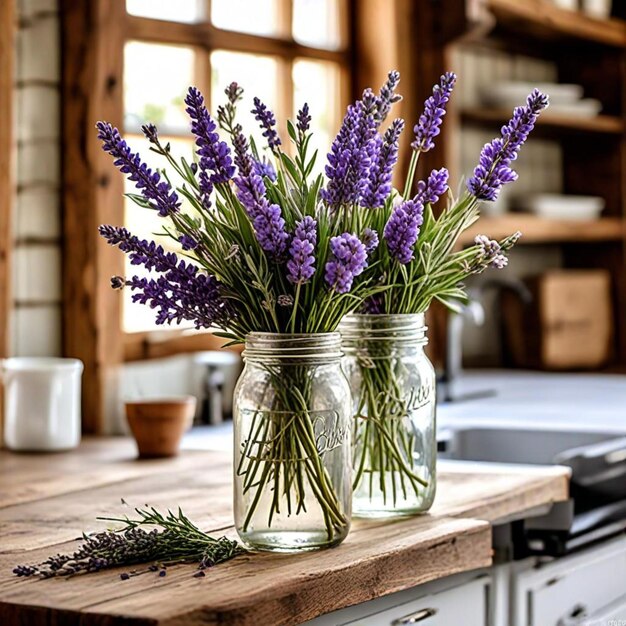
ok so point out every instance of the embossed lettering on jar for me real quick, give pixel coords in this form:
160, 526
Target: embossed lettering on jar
293, 430
393, 390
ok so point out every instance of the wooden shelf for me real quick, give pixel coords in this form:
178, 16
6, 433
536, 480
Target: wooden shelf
539, 230
539, 18
604, 124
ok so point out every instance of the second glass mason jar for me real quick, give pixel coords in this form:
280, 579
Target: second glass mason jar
393, 390
293, 466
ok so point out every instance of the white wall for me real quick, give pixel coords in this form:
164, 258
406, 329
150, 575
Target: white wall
36, 315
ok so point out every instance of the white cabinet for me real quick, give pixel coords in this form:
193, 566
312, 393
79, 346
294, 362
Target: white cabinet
572, 590
459, 600
587, 588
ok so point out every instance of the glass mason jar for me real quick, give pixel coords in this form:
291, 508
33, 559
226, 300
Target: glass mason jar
393, 390
293, 433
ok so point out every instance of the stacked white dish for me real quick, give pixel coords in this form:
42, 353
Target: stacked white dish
559, 206
565, 99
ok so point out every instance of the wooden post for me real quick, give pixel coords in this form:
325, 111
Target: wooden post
92, 83
7, 165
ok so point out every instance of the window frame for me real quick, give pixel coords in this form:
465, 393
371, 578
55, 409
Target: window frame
94, 36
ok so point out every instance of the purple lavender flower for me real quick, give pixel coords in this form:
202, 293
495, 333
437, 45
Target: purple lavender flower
179, 293
351, 154
265, 169
267, 121
493, 169
269, 227
300, 265
402, 230
233, 92
243, 159
266, 218
216, 165
491, 252
157, 192
370, 240
150, 133
348, 260
188, 242
380, 173
387, 97
435, 186
303, 119
427, 127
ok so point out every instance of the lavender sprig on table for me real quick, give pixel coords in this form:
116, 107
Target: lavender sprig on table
174, 540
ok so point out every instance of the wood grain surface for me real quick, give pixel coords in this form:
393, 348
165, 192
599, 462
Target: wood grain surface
46, 501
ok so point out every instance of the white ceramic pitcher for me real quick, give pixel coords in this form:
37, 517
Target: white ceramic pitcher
41, 403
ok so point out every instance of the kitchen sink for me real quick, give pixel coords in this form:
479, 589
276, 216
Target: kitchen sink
515, 445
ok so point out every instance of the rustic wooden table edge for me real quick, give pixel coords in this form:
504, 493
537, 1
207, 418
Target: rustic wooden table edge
377, 558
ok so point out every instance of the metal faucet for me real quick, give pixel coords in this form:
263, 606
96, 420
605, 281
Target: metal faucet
453, 367
474, 311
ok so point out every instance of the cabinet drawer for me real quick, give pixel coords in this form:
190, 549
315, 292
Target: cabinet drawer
466, 604
581, 584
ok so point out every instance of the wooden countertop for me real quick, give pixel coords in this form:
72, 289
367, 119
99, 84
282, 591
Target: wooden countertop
47, 500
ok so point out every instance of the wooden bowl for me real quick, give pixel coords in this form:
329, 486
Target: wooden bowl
158, 424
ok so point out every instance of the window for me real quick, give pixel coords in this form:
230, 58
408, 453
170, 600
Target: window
286, 52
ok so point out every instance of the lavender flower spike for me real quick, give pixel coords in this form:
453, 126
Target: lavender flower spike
427, 127
180, 292
265, 169
267, 121
351, 154
387, 96
302, 258
435, 186
303, 119
157, 192
269, 227
402, 230
348, 260
370, 240
380, 174
216, 165
493, 169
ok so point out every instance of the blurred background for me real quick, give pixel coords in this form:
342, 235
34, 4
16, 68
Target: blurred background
559, 306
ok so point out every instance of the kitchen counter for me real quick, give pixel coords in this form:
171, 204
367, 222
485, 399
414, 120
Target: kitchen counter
46, 501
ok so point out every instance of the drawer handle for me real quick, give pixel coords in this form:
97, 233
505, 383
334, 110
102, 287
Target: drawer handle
414, 618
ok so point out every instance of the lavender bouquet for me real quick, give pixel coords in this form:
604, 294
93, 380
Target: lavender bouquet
260, 246
261, 252
418, 261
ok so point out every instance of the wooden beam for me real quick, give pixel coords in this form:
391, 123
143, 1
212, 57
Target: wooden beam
92, 84
7, 163
206, 35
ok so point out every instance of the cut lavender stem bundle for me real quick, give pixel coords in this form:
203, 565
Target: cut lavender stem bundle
174, 540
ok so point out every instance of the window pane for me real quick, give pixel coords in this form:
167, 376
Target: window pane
173, 10
145, 223
316, 23
259, 17
318, 83
156, 78
257, 74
